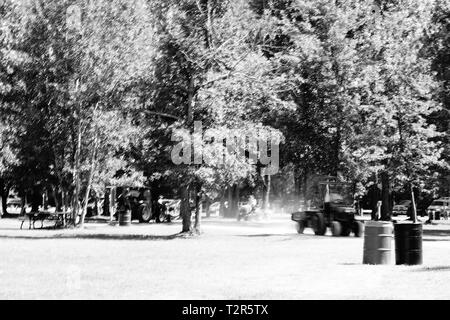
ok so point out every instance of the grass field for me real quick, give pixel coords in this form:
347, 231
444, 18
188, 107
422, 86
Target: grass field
231, 260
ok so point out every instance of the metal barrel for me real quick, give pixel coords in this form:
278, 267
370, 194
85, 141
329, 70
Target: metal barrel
377, 242
408, 243
125, 217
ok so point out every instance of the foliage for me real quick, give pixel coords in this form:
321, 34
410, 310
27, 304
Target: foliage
352, 88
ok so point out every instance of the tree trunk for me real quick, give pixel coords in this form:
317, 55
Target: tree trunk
23, 202
209, 25
305, 188
2, 207
112, 204
222, 209
89, 184
36, 199
4, 204
55, 195
235, 201
85, 203
64, 205
267, 193
339, 117
185, 209
198, 218
4, 192
233, 198
297, 184
190, 101
76, 176
385, 197
65, 199
228, 211
45, 199
207, 206
5, 198
336, 151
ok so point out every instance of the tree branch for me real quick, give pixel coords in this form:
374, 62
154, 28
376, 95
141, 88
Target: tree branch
163, 114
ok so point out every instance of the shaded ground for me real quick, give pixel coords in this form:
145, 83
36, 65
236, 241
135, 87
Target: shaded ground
231, 260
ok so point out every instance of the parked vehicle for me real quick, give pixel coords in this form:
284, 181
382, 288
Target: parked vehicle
169, 210
13, 205
95, 205
336, 211
138, 200
439, 208
249, 210
401, 208
214, 208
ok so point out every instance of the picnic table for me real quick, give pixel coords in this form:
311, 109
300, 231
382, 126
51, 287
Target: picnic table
59, 218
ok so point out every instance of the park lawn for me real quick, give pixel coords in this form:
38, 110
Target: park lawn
231, 260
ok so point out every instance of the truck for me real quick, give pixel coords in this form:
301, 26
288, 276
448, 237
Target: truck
141, 204
332, 207
439, 208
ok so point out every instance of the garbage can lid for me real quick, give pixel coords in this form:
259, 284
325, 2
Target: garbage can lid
372, 223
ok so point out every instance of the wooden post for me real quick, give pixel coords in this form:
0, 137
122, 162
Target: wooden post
414, 212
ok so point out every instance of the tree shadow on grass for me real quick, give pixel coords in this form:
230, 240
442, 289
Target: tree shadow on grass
435, 268
98, 237
265, 235
225, 222
287, 236
436, 233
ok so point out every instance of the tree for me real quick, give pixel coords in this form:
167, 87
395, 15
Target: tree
71, 77
7, 160
437, 46
208, 69
9, 98
356, 74
397, 100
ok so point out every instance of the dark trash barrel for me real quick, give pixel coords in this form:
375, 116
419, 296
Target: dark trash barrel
377, 242
125, 218
408, 243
